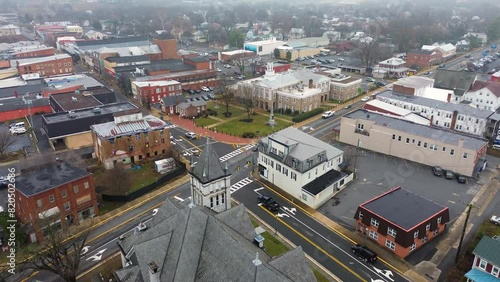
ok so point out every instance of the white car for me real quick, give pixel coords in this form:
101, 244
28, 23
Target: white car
495, 219
365, 99
227, 66
17, 130
370, 79
190, 135
204, 88
341, 59
328, 114
219, 70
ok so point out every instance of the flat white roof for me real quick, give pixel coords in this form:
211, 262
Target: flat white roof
12, 82
415, 81
155, 83
436, 94
388, 107
265, 42
235, 52
30, 61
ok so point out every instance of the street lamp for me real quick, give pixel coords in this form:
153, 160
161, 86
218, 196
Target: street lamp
28, 102
194, 126
356, 156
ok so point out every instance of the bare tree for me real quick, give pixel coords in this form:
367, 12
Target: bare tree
6, 141
56, 254
117, 180
369, 53
241, 63
246, 95
225, 93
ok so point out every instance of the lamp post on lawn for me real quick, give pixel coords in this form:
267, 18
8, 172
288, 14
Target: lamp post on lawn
194, 126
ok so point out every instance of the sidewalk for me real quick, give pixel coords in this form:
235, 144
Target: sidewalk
224, 138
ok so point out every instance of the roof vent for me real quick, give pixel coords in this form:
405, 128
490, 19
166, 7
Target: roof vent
71, 114
86, 93
74, 99
96, 110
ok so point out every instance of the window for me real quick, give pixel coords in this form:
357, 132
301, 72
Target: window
66, 206
360, 215
424, 239
39, 203
439, 220
394, 137
293, 175
444, 149
373, 235
482, 264
86, 185
361, 126
494, 271
415, 234
436, 232
64, 194
452, 152
419, 143
278, 167
223, 198
390, 245
51, 198
285, 171
374, 222
211, 202
217, 200
425, 144
413, 141
413, 247
75, 189
428, 227
407, 140
391, 232
465, 155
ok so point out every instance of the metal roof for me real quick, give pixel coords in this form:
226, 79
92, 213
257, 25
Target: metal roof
112, 129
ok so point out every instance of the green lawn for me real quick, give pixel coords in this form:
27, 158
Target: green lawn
222, 108
273, 246
237, 127
144, 176
205, 121
319, 276
285, 117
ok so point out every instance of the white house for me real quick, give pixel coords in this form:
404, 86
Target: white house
459, 117
483, 38
301, 165
484, 95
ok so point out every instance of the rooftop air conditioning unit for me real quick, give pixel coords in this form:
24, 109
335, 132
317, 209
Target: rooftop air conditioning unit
96, 110
71, 114
74, 99
86, 93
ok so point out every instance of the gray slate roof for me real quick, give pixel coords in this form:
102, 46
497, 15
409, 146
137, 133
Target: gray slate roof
185, 105
46, 177
173, 100
191, 244
458, 81
489, 249
209, 167
18, 103
436, 104
285, 79
404, 208
438, 134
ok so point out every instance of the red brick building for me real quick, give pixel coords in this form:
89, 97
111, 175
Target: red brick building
278, 67
17, 108
42, 51
154, 91
55, 193
168, 47
401, 221
422, 58
46, 66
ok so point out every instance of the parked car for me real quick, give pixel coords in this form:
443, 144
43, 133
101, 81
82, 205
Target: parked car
341, 59
370, 79
205, 98
427, 73
379, 83
348, 106
365, 99
437, 171
241, 77
204, 88
17, 130
328, 114
495, 219
211, 96
190, 135
461, 179
268, 202
219, 70
448, 174
227, 66
192, 92
331, 61
364, 253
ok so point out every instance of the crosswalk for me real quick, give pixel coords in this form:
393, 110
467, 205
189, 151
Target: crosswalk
236, 152
240, 184
171, 126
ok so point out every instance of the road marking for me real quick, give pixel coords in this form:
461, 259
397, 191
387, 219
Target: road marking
97, 256
236, 152
455, 194
282, 215
97, 265
84, 250
290, 210
451, 202
258, 189
387, 273
178, 198
240, 184
316, 246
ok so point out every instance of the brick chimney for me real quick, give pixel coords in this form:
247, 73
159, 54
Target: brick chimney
454, 120
154, 274
432, 120
448, 99
311, 83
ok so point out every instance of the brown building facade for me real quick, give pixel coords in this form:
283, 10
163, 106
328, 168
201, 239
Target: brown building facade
54, 194
130, 138
168, 48
416, 222
422, 58
46, 66
39, 52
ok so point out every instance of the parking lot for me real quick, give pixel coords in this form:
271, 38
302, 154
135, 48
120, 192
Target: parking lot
378, 173
20, 141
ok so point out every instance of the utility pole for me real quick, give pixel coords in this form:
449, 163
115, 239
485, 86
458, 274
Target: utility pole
469, 208
356, 157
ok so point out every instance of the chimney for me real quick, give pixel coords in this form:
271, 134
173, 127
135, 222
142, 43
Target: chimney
16, 94
154, 275
432, 120
454, 120
448, 99
311, 84
58, 162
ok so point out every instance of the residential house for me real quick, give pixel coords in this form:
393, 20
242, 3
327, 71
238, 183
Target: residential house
432, 146
457, 81
463, 45
297, 91
10, 29
169, 104
416, 59
416, 222
191, 109
153, 91
296, 33
304, 167
486, 264
393, 67
55, 193
130, 138
482, 37
484, 95
459, 117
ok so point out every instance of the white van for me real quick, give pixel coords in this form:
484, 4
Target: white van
496, 146
17, 124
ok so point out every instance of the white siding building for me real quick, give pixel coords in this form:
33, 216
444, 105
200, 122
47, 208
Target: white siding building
459, 117
484, 95
264, 47
301, 165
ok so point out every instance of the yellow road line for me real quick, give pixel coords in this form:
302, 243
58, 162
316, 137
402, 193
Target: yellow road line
314, 245
97, 265
190, 143
337, 118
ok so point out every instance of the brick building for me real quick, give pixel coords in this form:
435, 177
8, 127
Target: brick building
154, 91
417, 220
278, 67
55, 193
422, 58
130, 138
41, 51
45, 66
17, 108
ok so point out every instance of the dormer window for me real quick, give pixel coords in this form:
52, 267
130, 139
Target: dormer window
294, 163
320, 158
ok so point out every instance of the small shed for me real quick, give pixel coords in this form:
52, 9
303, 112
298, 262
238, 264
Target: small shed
165, 165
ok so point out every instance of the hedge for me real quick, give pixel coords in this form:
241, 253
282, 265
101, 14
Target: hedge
306, 115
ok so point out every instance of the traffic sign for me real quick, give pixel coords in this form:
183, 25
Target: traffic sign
493, 46
485, 53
